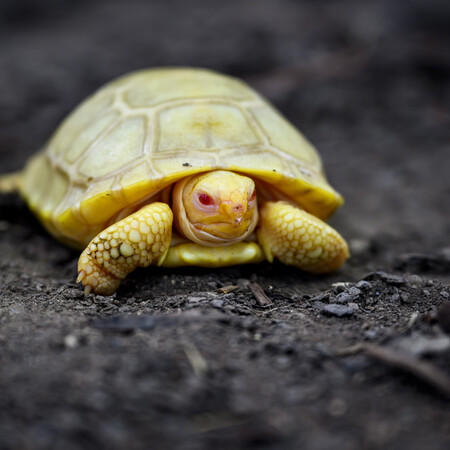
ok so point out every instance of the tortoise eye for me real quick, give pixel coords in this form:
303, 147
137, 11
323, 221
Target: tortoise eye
253, 196
205, 199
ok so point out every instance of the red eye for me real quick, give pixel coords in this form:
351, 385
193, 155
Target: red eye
205, 199
253, 196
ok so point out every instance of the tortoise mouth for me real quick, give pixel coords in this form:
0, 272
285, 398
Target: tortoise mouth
219, 233
200, 225
228, 231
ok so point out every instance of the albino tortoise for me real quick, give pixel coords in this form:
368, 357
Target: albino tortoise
181, 166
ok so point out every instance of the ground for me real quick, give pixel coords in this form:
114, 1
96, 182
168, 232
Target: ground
193, 358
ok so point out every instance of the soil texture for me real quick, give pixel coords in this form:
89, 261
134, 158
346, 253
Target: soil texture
246, 357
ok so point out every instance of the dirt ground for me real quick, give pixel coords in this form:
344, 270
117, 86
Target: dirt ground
189, 359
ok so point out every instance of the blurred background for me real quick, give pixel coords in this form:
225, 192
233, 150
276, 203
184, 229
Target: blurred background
366, 82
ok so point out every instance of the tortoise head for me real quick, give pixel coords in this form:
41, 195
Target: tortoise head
215, 208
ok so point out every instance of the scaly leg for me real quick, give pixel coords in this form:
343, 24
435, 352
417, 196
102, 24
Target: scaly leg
299, 239
139, 240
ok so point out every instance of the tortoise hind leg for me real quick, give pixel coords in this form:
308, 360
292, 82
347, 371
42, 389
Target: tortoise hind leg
139, 240
10, 182
300, 239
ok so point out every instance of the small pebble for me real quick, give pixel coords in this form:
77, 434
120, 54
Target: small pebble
405, 298
217, 303
71, 341
257, 336
335, 309
131, 300
351, 294
243, 282
195, 299
364, 285
359, 246
342, 284
371, 334
415, 280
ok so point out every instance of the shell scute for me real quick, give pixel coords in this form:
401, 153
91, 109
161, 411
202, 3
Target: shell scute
170, 85
98, 207
204, 126
57, 188
77, 122
283, 136
88, 137
121, 146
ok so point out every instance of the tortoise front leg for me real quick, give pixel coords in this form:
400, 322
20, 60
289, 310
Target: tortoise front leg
139, 240
300, 239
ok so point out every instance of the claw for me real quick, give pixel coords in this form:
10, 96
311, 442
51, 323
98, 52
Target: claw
81, 276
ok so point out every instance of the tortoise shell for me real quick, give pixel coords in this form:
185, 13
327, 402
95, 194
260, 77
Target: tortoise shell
142, 132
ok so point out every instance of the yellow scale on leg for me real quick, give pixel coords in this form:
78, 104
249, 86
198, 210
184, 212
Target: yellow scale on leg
299, 239
140, 240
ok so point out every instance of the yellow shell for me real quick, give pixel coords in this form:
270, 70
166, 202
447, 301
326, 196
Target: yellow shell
143, 131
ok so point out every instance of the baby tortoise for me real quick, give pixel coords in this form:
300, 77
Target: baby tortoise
181, 166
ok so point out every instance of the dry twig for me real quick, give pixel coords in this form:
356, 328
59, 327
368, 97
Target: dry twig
421, 369
260, 295
227, 289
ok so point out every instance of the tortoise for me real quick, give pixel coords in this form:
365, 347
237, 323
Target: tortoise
181, 166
